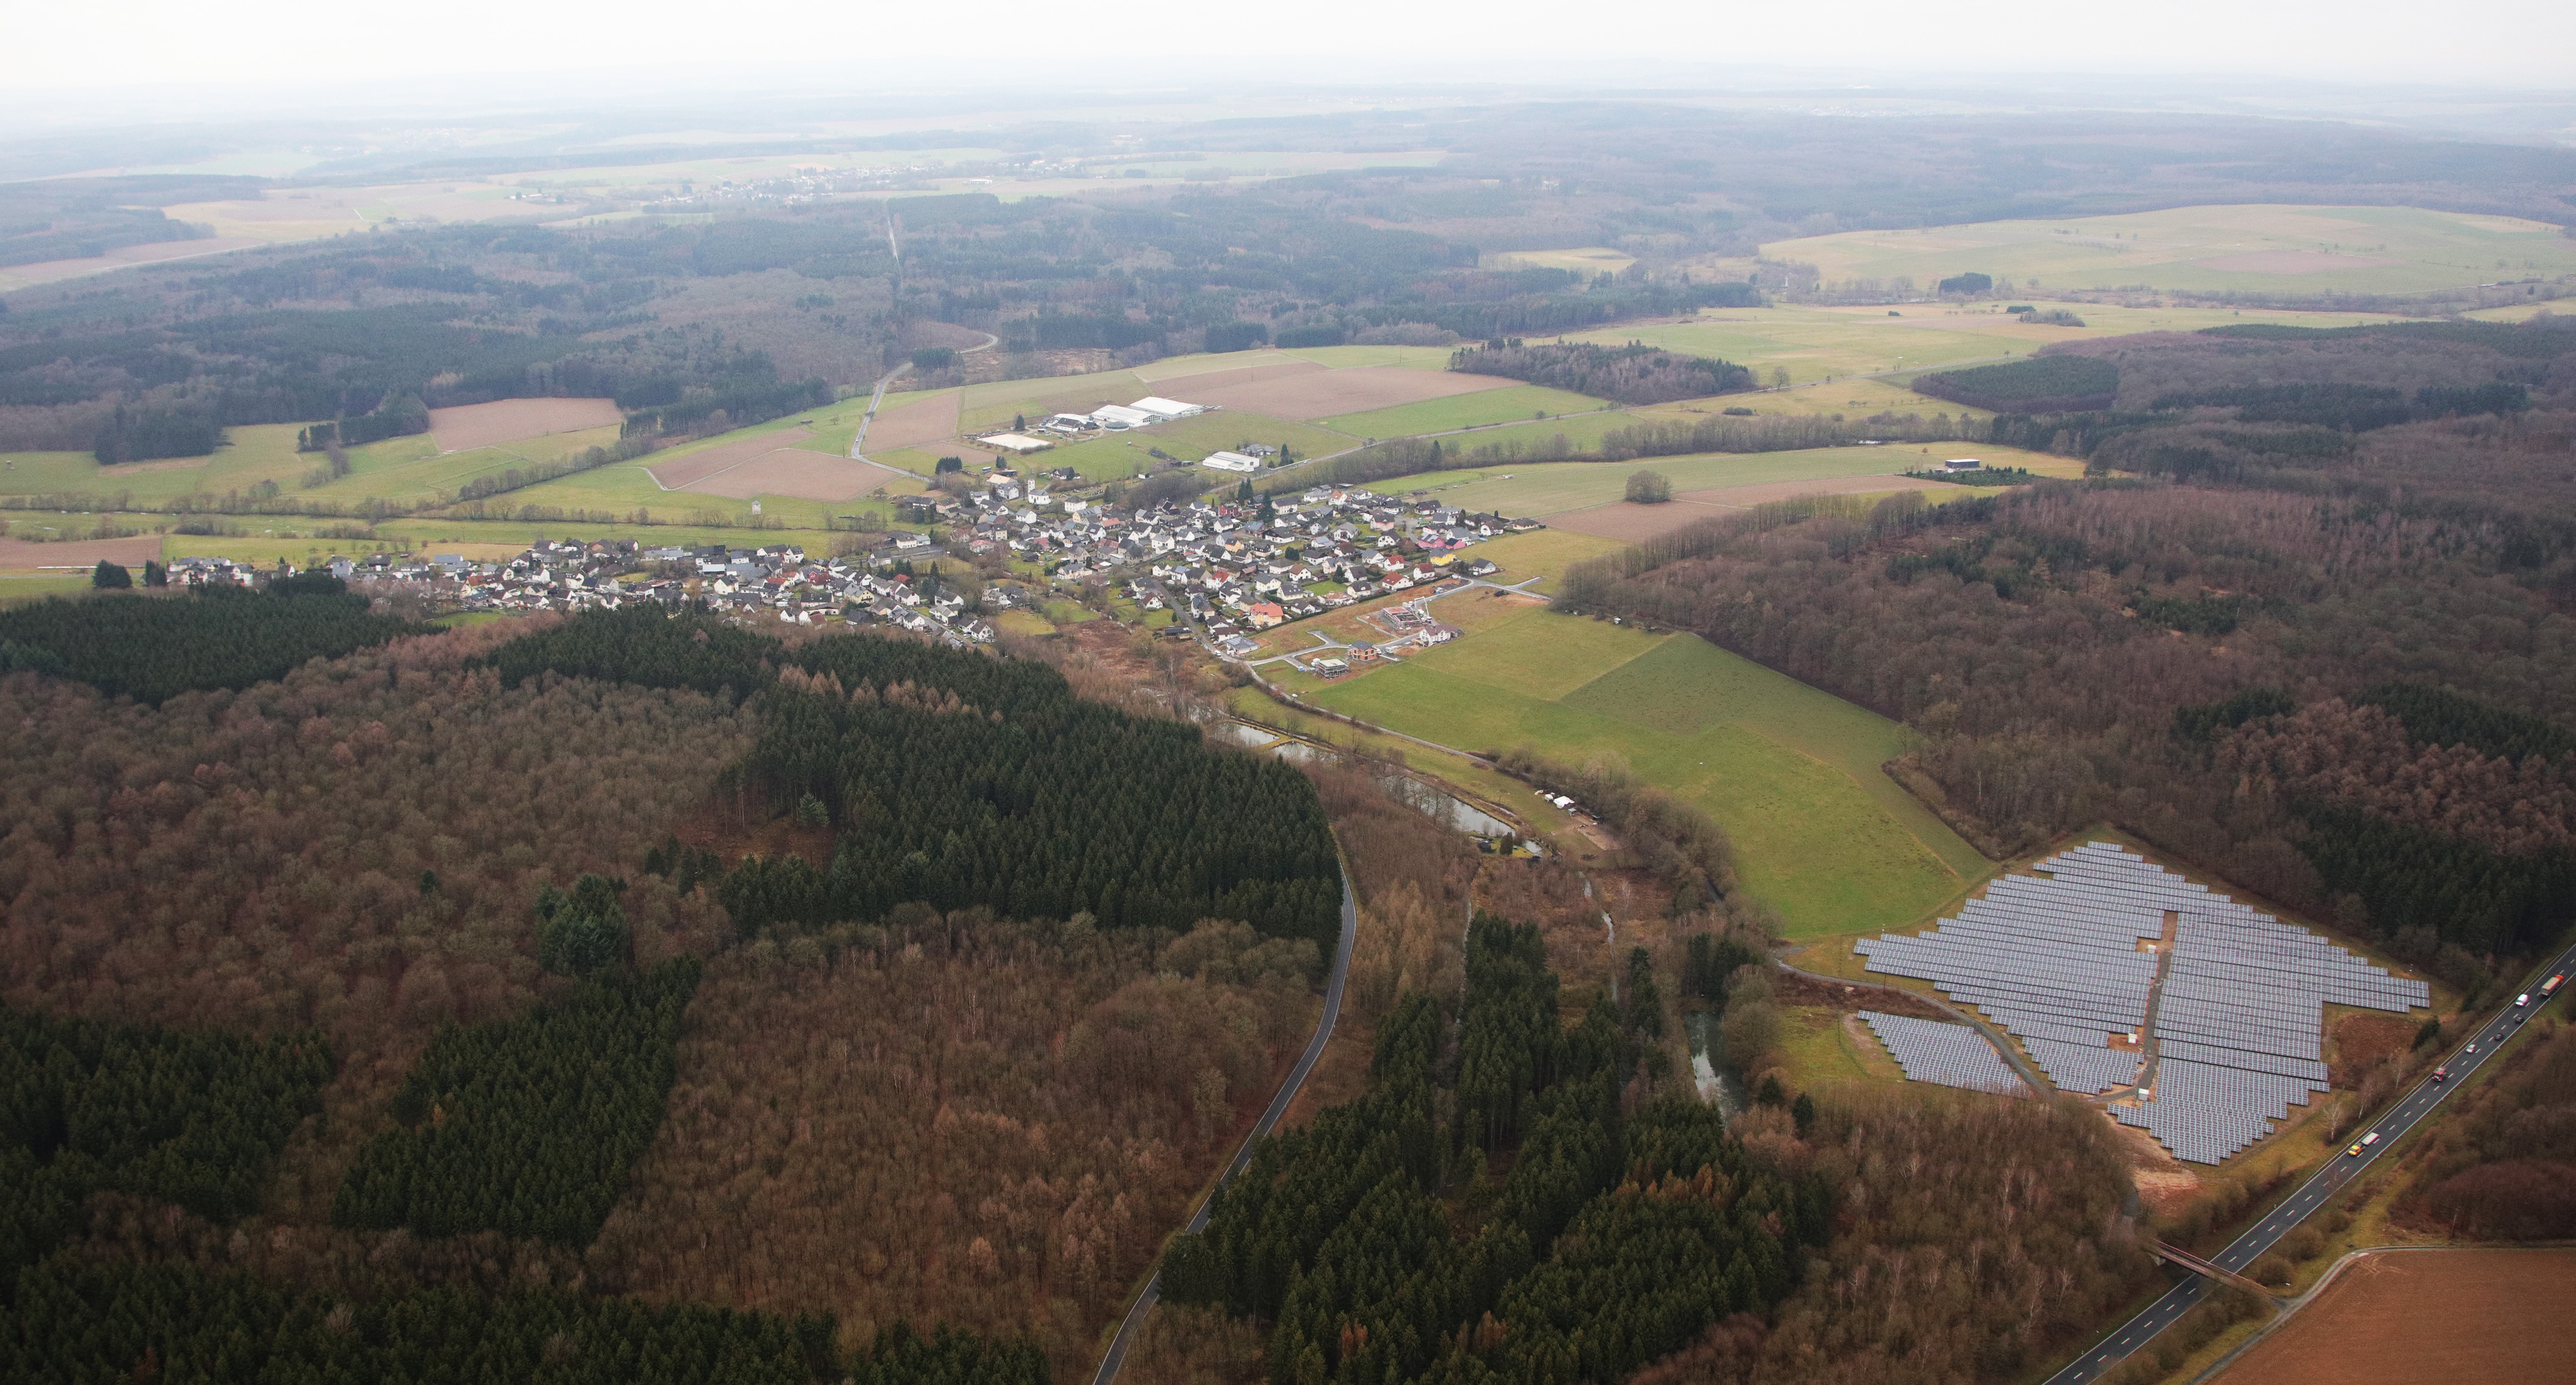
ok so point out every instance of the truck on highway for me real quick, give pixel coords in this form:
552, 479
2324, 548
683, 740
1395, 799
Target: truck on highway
2549, 987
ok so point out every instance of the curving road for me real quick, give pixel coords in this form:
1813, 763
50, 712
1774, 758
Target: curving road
1145, 1301
2392, 1125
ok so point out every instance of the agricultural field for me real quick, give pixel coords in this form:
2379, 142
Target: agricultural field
1475, 410
1408, 357
1582, 259
1128, 453
1790, 772
1832, 343
255, 453
1542, 489
2470, 1317
2264, 249
1541, 553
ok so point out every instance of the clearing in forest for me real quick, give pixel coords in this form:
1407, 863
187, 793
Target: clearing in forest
2463, 1317
1789, 771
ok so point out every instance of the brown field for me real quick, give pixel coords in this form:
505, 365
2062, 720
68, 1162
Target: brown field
48, 271
680, 473
796, 472
515, 420
921, 423
2363, 1040
1319, 393
2291, 262
1632, 523
2462, 1317
18, 555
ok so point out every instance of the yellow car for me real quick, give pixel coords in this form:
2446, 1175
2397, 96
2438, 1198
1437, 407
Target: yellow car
2361, 1144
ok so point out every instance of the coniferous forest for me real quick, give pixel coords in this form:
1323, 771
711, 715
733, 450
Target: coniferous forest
151, 647
1380, 1247
527, 1126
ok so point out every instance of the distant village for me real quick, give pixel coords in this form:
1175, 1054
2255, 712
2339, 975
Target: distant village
1220, 569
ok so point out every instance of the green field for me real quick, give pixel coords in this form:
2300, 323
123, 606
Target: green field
2256, 248
1548, 488
255, 453
1542, 553
1790, 772
1341, 357
16, 588
1462, 411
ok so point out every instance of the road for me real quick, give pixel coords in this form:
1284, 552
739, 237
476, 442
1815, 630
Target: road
2392, 1125
2002, 1046
1145, 1301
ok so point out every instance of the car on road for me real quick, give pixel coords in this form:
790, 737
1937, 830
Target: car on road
2363, 1143
2473, 1048
2440, 1074
2522, 1001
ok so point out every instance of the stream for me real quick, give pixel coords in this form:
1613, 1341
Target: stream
1705, 1048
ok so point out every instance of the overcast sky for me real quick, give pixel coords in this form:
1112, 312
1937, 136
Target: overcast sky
87, 48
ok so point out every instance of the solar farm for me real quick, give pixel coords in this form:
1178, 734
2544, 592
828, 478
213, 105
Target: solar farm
1952, 1055
2202, 1017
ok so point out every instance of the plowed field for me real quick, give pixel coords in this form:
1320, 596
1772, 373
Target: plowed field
1318, 393
2461, 1317
470, 426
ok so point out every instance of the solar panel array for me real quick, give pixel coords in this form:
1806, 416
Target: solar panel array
2237, 1027
1952, 1055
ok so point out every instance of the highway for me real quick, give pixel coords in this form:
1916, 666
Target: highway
1153, 1293
2322, 1185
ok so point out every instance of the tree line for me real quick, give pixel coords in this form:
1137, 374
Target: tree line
1631, 374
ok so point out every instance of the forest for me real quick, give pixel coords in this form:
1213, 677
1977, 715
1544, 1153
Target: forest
2050, 642
527, 1126
958, 780
1379, 1245
2505, 1169
153, 647
191, 1117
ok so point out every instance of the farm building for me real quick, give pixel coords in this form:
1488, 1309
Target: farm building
1231, 461
1963, 464
1166, 408
1016, 443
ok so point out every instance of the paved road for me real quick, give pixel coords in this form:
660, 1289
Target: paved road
2318, 1190
1145, 1301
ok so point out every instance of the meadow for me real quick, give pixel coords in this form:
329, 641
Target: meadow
1790, 772
2254, 248
1541, 553
1463, 411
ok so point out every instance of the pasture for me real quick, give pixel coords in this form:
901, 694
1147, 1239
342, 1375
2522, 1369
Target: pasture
2252, 248
1541, 553
253, 453
1790, 772
1305, 390
1505, 404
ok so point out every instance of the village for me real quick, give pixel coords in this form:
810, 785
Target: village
1219, 570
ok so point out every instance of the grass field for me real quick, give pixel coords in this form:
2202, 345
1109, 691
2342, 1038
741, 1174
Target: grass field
1541, 553
1821, 1051
1582, 259
1462, 411
1547, 488
2255, 248
1790, 772
1410, 357
256, 453
15, 588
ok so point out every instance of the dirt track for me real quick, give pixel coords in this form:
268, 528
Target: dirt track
2462, 1317
1319, 393
515, 420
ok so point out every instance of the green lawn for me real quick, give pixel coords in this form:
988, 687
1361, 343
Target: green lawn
1822, 1053
1790, 772
1462, 411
